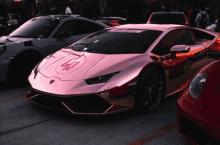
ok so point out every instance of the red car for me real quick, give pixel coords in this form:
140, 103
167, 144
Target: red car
112, 21
198, 110
168, 18
120, 68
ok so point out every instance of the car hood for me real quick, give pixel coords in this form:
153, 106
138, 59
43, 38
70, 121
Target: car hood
9, 40
67, 64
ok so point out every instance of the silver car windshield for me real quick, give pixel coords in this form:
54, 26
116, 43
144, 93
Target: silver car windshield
36, 28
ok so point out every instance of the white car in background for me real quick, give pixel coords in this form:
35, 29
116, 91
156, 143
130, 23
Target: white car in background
11, 19
36, 39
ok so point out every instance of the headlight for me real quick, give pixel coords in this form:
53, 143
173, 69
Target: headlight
101, 79
197, 84
36, 69
2, 49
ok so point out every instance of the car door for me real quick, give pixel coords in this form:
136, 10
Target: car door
183, 66
78, 29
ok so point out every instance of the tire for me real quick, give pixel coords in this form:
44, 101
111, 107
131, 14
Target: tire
21, 66
150, 90
186, 66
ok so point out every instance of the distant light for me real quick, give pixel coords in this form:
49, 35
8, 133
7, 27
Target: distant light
85, 48
96, 41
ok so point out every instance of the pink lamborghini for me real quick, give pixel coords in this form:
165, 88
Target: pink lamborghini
121, 68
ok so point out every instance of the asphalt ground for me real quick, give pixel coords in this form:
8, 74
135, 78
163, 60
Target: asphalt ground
24, 123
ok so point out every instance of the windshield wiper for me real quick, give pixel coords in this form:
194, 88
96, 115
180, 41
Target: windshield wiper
19, 36
72, 47
9, 40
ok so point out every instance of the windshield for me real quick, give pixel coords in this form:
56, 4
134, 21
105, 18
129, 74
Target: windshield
118, 41
168, 19
36, 28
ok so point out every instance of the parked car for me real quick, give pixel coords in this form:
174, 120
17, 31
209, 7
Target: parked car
168, 18
37, 38
121, 68
3, 23
212, 27
112, 21
12, 21
198, 107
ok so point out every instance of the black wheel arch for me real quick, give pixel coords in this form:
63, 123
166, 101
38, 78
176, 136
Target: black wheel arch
156, 66
31, 53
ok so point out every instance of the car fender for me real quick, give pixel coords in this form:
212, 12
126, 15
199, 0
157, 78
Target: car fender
153, 64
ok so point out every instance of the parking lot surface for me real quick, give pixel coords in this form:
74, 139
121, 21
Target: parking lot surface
24, 123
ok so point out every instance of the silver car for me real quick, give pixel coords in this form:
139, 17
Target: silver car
37, 38
12, 19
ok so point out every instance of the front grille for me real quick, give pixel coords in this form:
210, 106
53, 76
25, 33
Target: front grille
196, 133
49, 102
83, 104
87, 104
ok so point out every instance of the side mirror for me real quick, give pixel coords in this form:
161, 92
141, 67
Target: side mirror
179, 49
64, 34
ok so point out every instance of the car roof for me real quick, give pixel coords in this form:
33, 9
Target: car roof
159, 27
59, 16
168, 12
119, 18
69, 17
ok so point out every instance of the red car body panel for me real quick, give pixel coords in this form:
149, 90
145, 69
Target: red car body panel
63, 74
203, 111
210, 104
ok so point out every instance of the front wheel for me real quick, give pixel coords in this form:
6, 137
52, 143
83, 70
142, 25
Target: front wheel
150, 89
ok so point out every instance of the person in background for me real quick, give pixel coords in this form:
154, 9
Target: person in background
202, 19
208, 10
68, 11
163, 9
172, 9
189, 13
177, 8
192, 16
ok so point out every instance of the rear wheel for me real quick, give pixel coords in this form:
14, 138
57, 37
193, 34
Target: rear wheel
186, 65
150, 89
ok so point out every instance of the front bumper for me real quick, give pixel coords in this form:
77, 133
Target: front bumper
4, 65
89, 104
196, 126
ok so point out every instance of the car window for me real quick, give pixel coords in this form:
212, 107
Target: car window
118, 41
175, 37
104, 21
168, 18
202, 35
36, 28
13, 16
83, 27
68, 26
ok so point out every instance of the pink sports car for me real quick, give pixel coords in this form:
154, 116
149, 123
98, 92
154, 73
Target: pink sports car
121, 68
